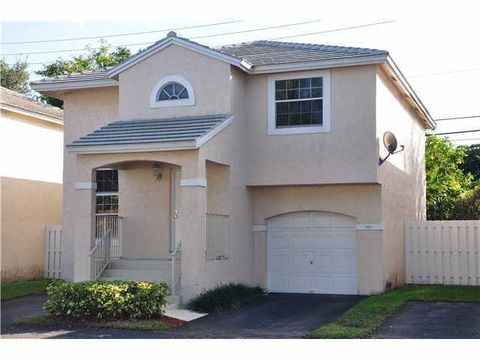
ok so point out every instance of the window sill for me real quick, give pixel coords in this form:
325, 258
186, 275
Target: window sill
298, 130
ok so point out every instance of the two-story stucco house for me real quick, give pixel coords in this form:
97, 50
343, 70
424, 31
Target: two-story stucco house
254, 163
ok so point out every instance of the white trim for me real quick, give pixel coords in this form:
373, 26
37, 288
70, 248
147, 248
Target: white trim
202, 140
32, 113
154, 103
71, 85
162, 44
369, 227
200, 182
129, 148
259, 227
319, 65
85, 186
111, 193
325, 127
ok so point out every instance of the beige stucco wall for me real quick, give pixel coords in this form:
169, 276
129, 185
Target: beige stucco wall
209, 78
144, 205
27, 206
402, 176
345, 155
363, 202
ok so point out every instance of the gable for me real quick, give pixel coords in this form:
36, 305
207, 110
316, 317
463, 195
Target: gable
209, 78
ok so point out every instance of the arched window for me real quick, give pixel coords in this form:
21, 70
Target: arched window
172, 91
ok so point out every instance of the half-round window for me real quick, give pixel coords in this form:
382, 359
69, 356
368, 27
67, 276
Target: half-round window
172, 91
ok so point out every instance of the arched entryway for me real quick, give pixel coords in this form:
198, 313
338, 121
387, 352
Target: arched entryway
312, 252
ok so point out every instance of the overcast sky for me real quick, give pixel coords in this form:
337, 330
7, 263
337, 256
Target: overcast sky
435, 43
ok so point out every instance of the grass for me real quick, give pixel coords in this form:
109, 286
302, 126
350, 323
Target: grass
366, 316
226, 297
49, 321
22, 288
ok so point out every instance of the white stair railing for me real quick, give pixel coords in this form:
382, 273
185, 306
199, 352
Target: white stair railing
176, 257
113, 223
100, 255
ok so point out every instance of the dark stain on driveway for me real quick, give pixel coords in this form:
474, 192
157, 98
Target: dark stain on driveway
433, 320
277, 316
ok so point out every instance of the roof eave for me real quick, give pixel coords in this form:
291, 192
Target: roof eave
58, 86
34, 114
405, 88
320, 64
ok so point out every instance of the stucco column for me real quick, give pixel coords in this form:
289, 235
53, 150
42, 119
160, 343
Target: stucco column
191, 233
83, 226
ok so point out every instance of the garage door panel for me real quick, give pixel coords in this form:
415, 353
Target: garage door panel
312, 252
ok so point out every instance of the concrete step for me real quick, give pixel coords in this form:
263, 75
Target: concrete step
140, 264
138, 275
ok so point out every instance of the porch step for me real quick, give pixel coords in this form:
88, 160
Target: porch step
162, 275
141, 264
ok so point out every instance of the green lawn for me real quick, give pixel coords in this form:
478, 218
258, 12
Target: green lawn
363, 318
151, 325
22, 288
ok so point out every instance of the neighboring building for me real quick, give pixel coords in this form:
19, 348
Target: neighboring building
31, 163
260, 159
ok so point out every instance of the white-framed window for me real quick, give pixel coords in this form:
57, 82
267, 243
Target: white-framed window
106, 197
172, 90
299, 103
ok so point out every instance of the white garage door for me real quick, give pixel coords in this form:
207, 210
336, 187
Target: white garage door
312, 252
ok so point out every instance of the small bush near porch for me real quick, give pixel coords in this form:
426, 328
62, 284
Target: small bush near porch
106, 300
226, 297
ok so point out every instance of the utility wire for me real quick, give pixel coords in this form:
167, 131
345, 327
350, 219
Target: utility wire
122, 34
334, 30
458, 118
195, 37
457, 132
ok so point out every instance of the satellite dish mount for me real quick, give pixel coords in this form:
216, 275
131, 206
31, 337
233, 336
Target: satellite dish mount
390, 142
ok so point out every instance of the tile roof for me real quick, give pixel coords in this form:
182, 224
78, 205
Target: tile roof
257, 53
125, 132
266, 52
14, 101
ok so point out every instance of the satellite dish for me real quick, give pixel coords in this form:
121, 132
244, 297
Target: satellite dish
390, 142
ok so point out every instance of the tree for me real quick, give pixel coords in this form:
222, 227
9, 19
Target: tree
15, 77
94, 59
471, 162
446, 181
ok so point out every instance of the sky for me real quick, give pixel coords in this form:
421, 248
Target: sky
435, 43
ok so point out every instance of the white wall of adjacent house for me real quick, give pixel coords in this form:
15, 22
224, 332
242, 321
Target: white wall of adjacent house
30, 149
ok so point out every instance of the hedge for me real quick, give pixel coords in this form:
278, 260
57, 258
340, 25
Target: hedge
226, 297
102, 299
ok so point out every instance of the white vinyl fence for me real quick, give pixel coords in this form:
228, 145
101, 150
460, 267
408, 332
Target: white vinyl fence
443, 252
53, 251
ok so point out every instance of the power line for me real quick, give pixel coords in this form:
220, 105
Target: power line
475, 139
458, 118
195, 37
334, 30
458, 132
122, 34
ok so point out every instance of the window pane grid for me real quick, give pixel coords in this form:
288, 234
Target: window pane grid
299, 102
106, 201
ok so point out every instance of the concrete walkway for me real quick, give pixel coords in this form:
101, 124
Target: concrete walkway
433, 320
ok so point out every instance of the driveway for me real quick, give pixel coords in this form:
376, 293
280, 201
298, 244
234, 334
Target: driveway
433, 320
278, 316
14, 309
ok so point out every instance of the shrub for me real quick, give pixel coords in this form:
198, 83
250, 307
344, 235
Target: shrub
102, 299
226, 297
